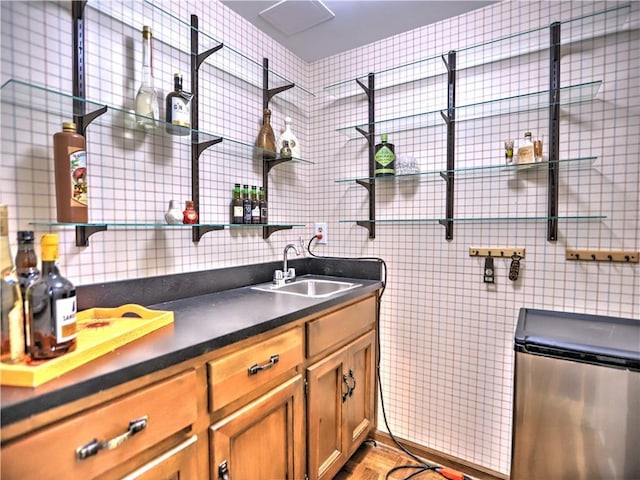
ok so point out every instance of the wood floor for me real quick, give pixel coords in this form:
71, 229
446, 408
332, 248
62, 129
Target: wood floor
373, 462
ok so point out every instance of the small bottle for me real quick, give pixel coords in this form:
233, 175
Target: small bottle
525, 152
289, 137
246, 205
51, 307
285, 151
266, 137
174, 215
189, 216
70, 164
12, 346
237, 211
537, 150
28, 273
178, 109
262, 201
255, 206
147, 109
384, 158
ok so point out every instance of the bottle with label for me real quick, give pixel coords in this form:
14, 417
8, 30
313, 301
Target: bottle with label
285, 151
178, 109
70, 164
190, 215
289, 137
51, 307
28, 273
147, 107
173, 215
262, 201
246, 205
266, 137
12, 346
255, 206
385, 158
525, 151
236, 206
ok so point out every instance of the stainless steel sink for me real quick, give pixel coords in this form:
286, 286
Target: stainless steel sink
313, 288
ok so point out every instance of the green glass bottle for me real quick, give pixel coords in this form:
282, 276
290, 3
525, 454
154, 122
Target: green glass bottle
385, 158
237, 210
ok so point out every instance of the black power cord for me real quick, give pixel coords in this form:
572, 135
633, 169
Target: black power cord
423, 466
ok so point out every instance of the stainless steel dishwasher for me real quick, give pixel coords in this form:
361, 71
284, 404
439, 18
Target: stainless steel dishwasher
576, 409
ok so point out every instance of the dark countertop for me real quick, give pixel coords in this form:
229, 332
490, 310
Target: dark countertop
202, 323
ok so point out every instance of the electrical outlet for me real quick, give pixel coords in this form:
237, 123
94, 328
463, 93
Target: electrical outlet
322, 229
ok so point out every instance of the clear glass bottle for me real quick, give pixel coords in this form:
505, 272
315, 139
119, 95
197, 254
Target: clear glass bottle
147, 109
525, 151
28, 273
51, 307
285, 151
12, 345
289, 136
178, 109
266, 137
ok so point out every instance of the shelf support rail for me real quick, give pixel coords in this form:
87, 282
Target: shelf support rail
450, 118
370, 135
554, 133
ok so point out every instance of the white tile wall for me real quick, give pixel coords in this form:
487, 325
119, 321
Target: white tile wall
446, 337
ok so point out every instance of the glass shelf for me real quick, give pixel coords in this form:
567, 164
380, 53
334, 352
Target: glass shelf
474, 219
570, 163
574, 30
501, 106
34, 97
159, 225
177, 35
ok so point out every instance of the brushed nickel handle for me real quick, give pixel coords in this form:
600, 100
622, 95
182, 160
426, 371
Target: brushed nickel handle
254, 369
352, 387
95, 445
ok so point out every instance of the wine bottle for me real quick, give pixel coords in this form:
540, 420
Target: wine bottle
255, 206
237, 211
266, 137
246, 205
28, 273
12, 344
288, 136
264, 212
178, 109
70, 165
51, 307
385, 158
147, 110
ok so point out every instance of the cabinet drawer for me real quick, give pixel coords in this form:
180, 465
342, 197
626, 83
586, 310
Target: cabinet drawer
169, 406
338, 327
239, 373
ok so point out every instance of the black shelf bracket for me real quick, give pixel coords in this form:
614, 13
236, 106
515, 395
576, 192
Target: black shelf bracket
554, 133
269, 93
368, 184
450, 119
83, 232
267, 230
269, 164
202, 146
83, 121
201, 57
198, 231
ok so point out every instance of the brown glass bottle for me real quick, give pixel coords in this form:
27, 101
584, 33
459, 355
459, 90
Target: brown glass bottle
71, 175
266, 137
27, 269
51, 307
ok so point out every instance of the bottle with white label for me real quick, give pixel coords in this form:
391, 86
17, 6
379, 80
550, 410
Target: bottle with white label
288, 136
525, 151
51, 307
178, 109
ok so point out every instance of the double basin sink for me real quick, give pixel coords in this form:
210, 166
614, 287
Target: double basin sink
308, 287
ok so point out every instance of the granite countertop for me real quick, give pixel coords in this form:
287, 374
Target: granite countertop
202, 323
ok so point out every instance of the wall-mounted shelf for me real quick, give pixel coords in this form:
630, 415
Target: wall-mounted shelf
415, 221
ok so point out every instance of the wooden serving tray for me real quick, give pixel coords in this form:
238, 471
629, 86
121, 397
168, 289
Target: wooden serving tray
100, 331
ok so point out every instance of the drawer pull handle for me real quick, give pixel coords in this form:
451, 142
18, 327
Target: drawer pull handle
94, 446
345, 383
253, 369
352, 387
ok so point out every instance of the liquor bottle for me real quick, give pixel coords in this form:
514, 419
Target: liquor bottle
190, 215
246, 205
70, 165
255, 206
385, 158
51, 307
147, 110
178, 109
266, 137
289, 137
11, 313
285, 151
28, 273
264, 211
237, 211
525, 151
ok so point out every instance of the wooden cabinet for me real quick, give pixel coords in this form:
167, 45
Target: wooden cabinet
176, 464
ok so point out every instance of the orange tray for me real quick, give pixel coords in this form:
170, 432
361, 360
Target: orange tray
100, 331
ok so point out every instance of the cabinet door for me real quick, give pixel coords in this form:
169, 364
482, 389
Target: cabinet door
263, 440
360, 371
178, 463
326, 434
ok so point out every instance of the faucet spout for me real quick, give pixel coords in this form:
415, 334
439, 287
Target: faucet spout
290, 246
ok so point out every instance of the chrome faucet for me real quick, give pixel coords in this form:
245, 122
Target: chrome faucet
287, 274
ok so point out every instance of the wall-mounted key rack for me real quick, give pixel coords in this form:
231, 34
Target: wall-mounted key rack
496, 252
624, 256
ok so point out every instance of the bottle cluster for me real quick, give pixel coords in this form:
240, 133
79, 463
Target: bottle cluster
249, 206
39, 307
